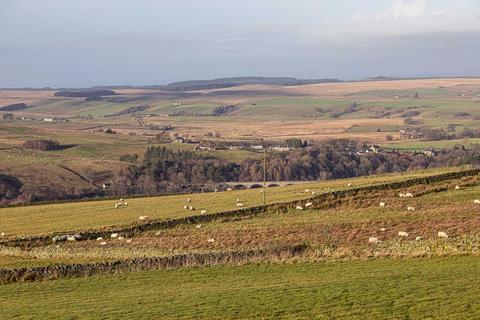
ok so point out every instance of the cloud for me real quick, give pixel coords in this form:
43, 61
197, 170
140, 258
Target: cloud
402, 9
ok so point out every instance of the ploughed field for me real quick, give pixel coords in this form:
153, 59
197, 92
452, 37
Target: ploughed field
371, 254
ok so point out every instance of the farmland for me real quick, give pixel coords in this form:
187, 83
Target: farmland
337, 276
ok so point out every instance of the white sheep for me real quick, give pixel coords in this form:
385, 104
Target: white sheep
117, 205
401, 195
125, 204
229, 189
104, 243
142, 217
408, 195
410, 209
114, 235
476, 201
158, 233
299, 208
372, 240
198, 226
191, 208
203, 211
185, 207
71, 238
418, 238
457, 187
382, 204
442, 234
121, 238
307, 190
239, 204
189, 200
216, 190
238, 199
349, 185
121, 199
313, 193
308, 205
2, 234
99, 239
382, 229
403, 234
129, 240
211, 240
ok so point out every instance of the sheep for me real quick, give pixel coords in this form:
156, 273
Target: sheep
410, 209
121, 238
189, 200
313, 193
158, 233
401, 195
229, 189
442, 234
476, 201
418, 238
373, 240
408, 195
403, 234
99, 239
203, 211
121, 199
129, 241
307, 190
216, 190
238, 199
382, 204
71, 238
185, 207
239, 204
299, 208
211, 240
191, 208
198, 226
104, 243
308, 205
114, 235
2, 234
125, 204
349, 185
382, 229
142, 217
261, 191
117, 205
457, 187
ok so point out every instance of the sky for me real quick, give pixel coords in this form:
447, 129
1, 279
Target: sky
60, 43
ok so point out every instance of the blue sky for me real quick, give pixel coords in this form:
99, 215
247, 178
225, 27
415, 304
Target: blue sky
62, 43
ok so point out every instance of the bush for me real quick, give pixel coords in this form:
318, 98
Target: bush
42, 145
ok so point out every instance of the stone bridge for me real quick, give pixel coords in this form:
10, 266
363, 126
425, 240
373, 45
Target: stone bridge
268, 184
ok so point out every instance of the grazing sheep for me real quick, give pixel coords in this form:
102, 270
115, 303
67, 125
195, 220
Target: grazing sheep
203, 211
114, 235
457, 187
476, 201
307, 190
125, 204
442, 234
313, 193
198, 226
157, 233
239, 204
121, 238
418, 238
2, 234
191, 208
117, 205
189, 200
373, 240
104, 243
238, 199
402, 234
261, 191
185, 207
121, 199
408, 195
71, 238
99, 239
382, 229
401, 195
410, 209
299, 208
129, 240
308, 205
216, 190
382, 204
142, 217
229, 189
211, 240
349, 185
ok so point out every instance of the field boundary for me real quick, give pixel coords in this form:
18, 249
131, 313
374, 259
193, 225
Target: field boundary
318, 202
58, 271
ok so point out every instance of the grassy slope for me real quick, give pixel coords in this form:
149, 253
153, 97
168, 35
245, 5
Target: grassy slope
441, 288
44, 219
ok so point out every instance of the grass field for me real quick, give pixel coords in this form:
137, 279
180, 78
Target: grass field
440, 288
45, 219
